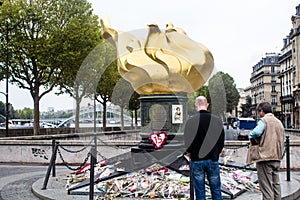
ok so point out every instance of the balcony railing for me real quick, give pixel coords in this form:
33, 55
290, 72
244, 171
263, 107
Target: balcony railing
286, 98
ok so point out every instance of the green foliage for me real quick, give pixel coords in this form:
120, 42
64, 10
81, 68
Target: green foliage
106, 86
46, 42
122, 93
203, 91
2, 108
223, 93
90, 55
134, 102
25, 113
134, 105
247, 107
107, 82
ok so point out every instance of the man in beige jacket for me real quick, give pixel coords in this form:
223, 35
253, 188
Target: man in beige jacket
266, 149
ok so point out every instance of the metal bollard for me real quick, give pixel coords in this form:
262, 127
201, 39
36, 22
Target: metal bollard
92, 167
54, 154
288, 160
52, 161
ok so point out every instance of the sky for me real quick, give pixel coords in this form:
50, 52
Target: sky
238, 33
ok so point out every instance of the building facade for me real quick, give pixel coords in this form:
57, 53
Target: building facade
265, 85
289, 76
295, 62
287, 81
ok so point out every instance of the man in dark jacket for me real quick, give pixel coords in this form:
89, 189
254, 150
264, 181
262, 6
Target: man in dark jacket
204, 141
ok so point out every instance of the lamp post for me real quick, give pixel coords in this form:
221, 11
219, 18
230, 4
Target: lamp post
255, 102
6, 113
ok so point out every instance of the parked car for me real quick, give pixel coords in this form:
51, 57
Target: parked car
244, 126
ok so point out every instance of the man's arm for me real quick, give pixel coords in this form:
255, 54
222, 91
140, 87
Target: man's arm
258, 130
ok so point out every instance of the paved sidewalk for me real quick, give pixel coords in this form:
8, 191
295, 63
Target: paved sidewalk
56, 191
290, 190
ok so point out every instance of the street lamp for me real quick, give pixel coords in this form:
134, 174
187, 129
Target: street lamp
255, 102
6, 113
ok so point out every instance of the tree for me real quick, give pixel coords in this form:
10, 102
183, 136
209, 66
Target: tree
25, 113
45, 37
134, 105
2, 108
223, 93
105, 87
121, 96
247, 107
82, 78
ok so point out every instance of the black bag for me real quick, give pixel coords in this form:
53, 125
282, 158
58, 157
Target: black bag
255, 141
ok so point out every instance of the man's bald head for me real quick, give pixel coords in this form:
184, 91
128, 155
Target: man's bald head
201, 103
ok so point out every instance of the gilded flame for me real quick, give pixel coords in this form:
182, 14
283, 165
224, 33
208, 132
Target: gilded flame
167, 62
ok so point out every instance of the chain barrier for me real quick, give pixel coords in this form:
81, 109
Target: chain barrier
67, 164
102, 141
284, 148
234, 147
99, 154
77, 151
105, 143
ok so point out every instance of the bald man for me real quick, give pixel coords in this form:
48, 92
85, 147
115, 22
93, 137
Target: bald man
204, 141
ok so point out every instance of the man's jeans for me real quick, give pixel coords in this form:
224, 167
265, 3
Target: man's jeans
212, 170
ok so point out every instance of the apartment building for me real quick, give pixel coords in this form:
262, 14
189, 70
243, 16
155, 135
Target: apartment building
287, 81
265, 85
295, 47
290, 74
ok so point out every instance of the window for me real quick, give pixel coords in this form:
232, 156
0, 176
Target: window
274, 100
273, 69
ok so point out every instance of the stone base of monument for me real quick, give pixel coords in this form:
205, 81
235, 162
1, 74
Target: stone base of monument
162, 121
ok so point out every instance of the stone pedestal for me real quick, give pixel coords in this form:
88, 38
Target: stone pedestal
163, 116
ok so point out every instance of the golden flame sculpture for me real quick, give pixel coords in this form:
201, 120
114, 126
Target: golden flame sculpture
166, 62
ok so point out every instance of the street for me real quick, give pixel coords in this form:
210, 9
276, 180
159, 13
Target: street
16, 180
230, 133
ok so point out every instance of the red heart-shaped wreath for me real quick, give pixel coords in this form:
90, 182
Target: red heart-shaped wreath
158, 138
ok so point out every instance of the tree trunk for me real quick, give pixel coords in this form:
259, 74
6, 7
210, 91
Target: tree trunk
131, 113
77, 112
135, 119
36, 117
104, 115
